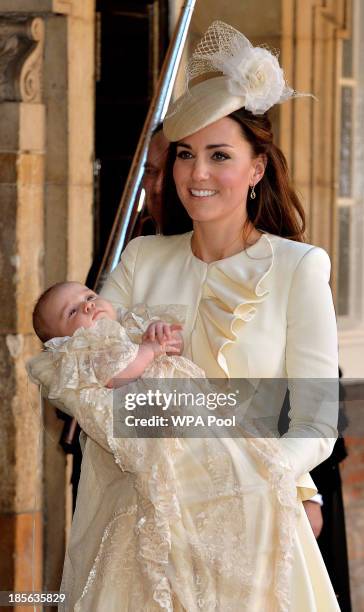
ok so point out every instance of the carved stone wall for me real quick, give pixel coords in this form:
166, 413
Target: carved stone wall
312, 31
21, 53
22, 153
46, 182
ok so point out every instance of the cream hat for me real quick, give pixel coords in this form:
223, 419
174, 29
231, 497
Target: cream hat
231, 74
205, 103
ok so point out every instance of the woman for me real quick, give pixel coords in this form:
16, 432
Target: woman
258, 299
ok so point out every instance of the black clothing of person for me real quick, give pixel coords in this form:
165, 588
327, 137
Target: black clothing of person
326, 476
332, 539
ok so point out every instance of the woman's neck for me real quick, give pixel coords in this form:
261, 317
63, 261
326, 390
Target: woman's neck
212, 243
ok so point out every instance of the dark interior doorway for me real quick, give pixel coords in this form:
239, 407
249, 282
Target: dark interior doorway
131, 41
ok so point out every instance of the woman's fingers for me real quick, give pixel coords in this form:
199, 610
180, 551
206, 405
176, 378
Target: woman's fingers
161, 331
164, 332
173, 349
173, 346
176, 327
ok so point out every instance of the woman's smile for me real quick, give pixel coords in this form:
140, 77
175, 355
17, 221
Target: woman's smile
203, 193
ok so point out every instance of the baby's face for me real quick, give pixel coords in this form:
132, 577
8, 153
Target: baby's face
73, 306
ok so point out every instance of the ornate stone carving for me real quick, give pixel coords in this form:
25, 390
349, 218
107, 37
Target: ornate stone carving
21, 58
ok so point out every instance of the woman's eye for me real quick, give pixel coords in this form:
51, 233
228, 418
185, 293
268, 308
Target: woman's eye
90, 297
220, 156
184, 155
72, 312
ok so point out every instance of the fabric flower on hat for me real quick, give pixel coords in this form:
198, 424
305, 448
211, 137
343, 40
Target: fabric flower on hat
260, 79
253, 73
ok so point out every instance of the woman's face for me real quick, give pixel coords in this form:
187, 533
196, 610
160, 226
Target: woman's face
213, 171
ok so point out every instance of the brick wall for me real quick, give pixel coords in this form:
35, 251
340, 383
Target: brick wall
352, 472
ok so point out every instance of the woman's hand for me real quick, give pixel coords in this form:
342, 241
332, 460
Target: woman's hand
168, 346
314, 514
166, 335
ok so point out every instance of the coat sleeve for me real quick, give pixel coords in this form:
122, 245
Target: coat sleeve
118, 287
312, 364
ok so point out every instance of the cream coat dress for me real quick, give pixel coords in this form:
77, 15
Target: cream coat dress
264, 313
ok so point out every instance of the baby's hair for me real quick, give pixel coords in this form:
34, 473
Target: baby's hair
39, 323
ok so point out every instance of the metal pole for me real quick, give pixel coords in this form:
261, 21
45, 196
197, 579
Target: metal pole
132, 187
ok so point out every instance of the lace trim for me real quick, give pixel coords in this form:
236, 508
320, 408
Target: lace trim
282, 480
158, 507
91, 357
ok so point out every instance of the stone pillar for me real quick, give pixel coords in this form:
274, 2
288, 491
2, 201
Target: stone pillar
46, 190
68, 224
22, 153
312, 31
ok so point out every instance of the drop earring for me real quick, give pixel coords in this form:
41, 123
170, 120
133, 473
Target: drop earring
253, 195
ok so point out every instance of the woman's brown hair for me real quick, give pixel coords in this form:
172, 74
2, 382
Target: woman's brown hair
276, 209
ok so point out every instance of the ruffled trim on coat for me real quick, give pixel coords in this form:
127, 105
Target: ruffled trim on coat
92, 356
232, 292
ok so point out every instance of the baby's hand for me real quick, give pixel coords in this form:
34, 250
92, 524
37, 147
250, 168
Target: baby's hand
160, 331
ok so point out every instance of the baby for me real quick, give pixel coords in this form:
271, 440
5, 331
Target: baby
67, 307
